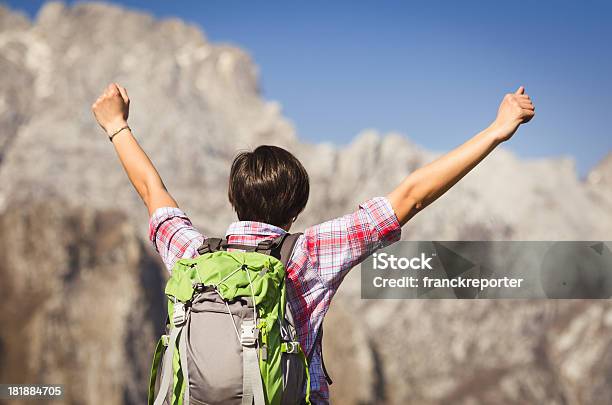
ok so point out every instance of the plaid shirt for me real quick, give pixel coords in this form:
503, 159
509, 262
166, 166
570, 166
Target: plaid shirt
322, 256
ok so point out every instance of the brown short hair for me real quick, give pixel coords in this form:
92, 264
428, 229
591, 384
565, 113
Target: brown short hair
268, 185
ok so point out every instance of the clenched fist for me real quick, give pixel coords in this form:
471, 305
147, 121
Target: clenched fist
112, 108
515, 109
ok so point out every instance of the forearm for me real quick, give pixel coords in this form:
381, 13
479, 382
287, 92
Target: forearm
135, 162
141, 172
111, 110
426, 184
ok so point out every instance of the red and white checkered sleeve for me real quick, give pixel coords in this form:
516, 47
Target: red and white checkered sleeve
336, 246
173, 235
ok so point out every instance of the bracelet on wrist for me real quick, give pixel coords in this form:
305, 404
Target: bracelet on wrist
111, 136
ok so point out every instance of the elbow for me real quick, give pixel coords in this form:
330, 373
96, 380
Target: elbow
415, 196
407, 201
149, 187
145, 193
415, 202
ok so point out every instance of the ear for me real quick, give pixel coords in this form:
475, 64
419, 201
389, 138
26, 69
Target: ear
288, 226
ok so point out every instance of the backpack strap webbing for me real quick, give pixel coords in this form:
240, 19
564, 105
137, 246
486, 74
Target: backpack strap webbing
319, 339
283, 248
252, 385
286, 247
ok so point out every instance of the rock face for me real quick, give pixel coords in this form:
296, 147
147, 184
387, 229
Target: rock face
73, 230
475, 352
82, 302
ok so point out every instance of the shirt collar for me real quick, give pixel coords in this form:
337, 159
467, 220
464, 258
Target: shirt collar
254, 228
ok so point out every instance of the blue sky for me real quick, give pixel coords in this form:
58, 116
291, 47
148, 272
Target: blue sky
434, 71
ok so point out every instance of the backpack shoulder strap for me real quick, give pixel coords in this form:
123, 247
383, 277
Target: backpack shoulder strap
319, 339
286, 247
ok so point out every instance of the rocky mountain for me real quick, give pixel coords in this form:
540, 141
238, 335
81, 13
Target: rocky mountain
74, 232
83, 302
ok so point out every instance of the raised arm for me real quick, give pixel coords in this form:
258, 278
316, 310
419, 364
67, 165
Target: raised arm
425, 185
111, 110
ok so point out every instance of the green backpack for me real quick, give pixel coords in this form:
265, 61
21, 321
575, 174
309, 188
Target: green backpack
231, 337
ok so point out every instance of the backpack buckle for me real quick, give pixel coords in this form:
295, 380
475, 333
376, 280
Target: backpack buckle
248, 333
292, 347
271, 244
179, 316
